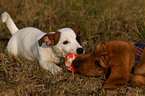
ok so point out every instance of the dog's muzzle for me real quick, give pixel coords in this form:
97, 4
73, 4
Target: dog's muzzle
80, 50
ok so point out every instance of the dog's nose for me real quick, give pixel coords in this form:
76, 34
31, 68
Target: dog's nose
80, 50
75, 64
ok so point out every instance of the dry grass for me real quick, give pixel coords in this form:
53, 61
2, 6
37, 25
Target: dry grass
95, 21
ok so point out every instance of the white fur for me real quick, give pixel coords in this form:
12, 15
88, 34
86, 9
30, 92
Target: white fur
24, 43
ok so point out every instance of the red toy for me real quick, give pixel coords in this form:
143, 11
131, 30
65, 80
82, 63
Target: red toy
68, 61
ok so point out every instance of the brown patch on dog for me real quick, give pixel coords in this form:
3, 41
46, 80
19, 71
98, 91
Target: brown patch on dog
51, 39
117, 57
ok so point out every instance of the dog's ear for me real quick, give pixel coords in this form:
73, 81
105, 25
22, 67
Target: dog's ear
78, 33
101, 62
101, 50
51, 39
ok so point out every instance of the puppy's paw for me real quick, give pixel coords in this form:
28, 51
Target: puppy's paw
57, 71
111, 86
52, 68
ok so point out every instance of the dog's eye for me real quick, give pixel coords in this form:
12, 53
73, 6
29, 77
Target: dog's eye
65, 42
98, 64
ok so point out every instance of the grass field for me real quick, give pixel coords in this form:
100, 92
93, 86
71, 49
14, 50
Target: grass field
93, 20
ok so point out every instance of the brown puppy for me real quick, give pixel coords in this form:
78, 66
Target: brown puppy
115, 58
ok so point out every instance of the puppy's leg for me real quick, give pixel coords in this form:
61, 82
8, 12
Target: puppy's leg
139, 80
48, 60
139, 72
119, 75
52, 67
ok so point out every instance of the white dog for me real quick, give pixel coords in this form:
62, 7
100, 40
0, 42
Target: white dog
47, 48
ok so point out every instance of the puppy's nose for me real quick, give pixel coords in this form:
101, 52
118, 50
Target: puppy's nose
75, 64
80, 50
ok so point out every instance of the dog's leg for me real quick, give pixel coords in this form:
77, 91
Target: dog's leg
119, 75
52, 67
47, 61
139, 80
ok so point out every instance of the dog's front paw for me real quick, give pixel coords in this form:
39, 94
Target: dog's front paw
53, 68
56, 71
111, 86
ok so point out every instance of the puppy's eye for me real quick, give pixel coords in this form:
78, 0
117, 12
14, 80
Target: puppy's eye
65, 42
98, 64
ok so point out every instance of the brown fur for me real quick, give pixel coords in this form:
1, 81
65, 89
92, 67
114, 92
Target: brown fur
51, 39
117, 56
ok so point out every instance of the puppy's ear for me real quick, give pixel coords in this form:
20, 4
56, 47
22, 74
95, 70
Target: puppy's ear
101, 50
97, 63
51, 39
101, 62
77, 30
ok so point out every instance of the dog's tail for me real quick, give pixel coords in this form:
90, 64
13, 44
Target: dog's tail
9, 22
